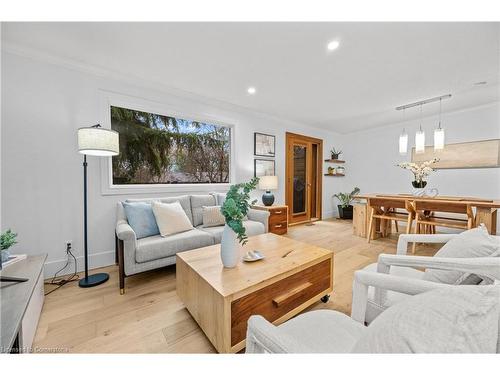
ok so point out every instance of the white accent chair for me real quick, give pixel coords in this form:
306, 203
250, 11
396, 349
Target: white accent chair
403, 265
327, 331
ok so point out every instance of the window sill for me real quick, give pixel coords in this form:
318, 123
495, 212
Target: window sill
164, 188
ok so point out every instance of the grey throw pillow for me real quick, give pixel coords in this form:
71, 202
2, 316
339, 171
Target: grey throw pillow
472, 243
458, 319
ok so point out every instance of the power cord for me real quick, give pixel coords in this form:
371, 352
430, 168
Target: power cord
61, 281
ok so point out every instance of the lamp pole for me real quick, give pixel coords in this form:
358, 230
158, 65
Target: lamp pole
98, 142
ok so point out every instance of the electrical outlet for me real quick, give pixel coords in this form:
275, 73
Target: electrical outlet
69, 246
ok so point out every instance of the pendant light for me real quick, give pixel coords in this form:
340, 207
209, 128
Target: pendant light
439, 133
420, 137
403, 140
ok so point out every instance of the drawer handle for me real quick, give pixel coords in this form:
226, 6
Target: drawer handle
284, 298
278, 225
278, 212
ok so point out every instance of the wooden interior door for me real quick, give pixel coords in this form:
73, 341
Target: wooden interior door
303, 178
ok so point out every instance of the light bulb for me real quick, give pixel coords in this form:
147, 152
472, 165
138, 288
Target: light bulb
438, 139
420, 141
403, 143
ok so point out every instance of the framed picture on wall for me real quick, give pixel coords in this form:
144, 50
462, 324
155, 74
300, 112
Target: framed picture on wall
264, 167
264, 145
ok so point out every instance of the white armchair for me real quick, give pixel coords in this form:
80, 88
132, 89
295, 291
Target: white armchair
327, 331
410, 269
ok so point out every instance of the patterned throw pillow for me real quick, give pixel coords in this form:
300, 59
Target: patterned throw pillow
212, 217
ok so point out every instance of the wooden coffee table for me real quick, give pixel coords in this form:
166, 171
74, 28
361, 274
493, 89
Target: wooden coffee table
293, 276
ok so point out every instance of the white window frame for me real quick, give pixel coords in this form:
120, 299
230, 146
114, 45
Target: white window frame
118, 100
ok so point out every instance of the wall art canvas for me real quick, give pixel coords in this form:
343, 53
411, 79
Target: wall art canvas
264, 145
264, 167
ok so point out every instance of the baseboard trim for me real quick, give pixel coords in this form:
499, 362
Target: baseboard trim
96, 260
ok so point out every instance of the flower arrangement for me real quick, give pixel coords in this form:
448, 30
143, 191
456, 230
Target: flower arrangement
420, 171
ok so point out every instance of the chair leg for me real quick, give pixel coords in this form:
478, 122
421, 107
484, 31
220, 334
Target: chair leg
370, 224
417, 231
409, 224
396, 225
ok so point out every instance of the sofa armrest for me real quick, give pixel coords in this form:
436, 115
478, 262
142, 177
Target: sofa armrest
125, 232
364, 279
264, 337
259, 215
404, 239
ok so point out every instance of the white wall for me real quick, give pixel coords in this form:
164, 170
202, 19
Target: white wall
372, 155
43, 105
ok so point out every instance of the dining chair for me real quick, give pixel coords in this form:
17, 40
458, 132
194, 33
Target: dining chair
387, 211
429, 215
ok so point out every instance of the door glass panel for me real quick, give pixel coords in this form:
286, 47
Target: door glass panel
299, 179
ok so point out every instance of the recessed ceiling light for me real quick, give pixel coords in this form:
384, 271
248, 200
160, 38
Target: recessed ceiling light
251, 90
333, 45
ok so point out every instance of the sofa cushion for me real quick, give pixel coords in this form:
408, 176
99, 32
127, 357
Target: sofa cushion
212, 216
141, 218
459, 319
184, 200
157, 247
171, 218
197, 203
253, 228
219, 198
469, 244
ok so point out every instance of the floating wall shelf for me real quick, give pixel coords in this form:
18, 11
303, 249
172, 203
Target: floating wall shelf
337, 161
335, 175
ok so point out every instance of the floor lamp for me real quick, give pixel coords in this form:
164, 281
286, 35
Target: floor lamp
94, 141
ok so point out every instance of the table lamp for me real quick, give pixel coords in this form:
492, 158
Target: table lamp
268, 183
94, 141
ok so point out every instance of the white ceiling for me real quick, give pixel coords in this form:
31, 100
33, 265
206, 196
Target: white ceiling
377, 67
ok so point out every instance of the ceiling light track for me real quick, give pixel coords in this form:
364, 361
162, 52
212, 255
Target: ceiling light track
423, 102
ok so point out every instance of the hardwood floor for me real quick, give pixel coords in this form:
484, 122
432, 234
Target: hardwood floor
150, 318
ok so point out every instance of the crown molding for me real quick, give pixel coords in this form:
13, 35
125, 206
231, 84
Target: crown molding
44, 57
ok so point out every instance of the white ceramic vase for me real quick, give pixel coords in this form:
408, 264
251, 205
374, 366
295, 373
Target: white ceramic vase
230, 247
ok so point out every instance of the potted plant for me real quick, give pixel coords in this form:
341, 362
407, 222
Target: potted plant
7, 240
234, 209
345, 207
335, 154
420, 171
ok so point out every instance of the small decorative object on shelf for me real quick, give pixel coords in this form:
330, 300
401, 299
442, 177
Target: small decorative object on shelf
341, 170
7, 240
234, 209
335, 154
331, 170
420, 171
345, 207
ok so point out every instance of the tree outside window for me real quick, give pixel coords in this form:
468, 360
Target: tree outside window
157, 149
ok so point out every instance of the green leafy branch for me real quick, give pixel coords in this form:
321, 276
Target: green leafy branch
236, 207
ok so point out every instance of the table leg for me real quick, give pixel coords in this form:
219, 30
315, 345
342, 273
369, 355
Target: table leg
488, 217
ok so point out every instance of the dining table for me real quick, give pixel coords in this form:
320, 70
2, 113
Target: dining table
485, 209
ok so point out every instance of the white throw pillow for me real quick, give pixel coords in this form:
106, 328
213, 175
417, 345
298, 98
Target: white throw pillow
212, 217
473, 243
455, 319
171, 218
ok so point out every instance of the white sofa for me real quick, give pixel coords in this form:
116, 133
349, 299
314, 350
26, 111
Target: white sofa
139, 255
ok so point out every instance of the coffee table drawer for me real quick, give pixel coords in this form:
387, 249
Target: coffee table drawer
276, 300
